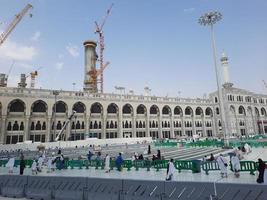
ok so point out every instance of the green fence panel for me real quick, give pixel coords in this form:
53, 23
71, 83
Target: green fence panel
76, 164
184, 165
210, 166
247, 166
127, 164
160, 164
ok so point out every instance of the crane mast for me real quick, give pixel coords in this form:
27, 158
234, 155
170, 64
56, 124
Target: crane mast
14, 22
99, 31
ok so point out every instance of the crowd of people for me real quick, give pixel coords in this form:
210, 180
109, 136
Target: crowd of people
50, 161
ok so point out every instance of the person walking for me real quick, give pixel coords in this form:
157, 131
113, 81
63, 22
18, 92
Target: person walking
107, 163
222, 162
159, 155
170, 170
119, 162
235, 165
261, 169
10, 165
149, 150
22, 164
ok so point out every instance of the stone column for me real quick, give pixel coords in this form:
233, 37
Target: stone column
134, 125
48, 128
104, 121
172, 127
183, 126
3, 130
26, 129
147, 126
160, 127
194, 125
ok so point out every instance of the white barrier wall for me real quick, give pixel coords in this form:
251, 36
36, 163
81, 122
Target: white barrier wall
78, 143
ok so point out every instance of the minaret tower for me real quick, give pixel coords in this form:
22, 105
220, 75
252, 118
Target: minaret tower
225, 65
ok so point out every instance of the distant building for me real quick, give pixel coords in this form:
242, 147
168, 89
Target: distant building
28, 114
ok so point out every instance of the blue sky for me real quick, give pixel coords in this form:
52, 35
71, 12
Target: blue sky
155, 43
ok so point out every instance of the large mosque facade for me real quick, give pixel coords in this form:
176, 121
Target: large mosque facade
39, 115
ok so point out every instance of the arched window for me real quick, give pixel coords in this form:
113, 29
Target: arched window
111, 124
154, 110
21, 127
99, 125
61, 107
96, 108
32, 126
188, 111
141, 109
208, 111
263, 112
91, 125
241, 110
95, 125
217, 111
107, 125
59, 125
78, 125
112, 108
126, 125
17, 106
216, 100
140, 124
39, 106
82, 125
73, 125
38, 126
79, 107
9, 126
116, 125
15, 126
166, 110
177, 111
153, 124
44, 126
199, 111
127, 109
144, 125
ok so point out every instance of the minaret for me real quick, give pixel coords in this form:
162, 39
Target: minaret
224, 61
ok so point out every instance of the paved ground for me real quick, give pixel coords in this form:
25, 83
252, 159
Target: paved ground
154, 175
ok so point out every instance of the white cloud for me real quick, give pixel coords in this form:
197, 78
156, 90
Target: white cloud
189, 10
59, 66
60, 56
73, 50
36, 36
15, 51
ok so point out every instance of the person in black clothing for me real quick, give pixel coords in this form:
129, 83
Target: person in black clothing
149, 150
158, 155
261, 169
22, 164
141, 157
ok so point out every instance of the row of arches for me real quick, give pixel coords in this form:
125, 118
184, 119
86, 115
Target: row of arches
40, 106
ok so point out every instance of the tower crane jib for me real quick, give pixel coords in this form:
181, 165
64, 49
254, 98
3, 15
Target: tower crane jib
14, 23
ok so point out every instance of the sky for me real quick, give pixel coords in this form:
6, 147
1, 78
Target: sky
153, 43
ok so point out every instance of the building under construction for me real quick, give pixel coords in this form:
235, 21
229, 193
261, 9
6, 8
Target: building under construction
42, 115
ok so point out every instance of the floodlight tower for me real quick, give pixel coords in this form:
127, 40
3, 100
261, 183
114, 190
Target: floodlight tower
209, 19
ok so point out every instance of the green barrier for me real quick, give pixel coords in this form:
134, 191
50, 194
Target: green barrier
76, 163
247, 166
112, 164
127, 164
3, 163
160, 164
186, 165
29, 163
210, 166
97, 164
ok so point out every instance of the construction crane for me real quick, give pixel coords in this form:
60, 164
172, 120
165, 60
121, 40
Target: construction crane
99, 31
4, 78
94, 74
33, 75
14, 22
64, 126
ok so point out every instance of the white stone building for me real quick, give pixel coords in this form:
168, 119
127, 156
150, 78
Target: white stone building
29, 114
